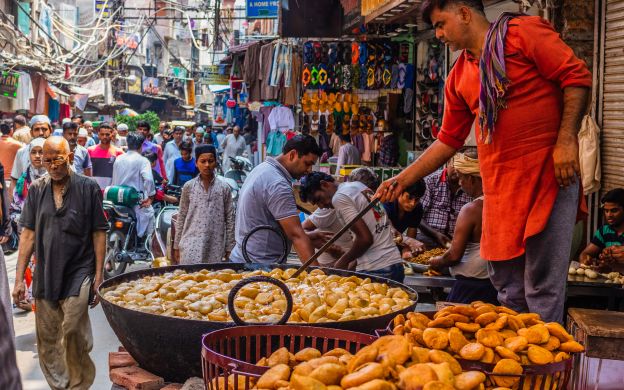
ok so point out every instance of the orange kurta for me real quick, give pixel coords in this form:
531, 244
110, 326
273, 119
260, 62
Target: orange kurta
517, 167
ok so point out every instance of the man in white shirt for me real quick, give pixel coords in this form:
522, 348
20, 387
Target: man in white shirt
134, 170
233, 145
373, 250
172, 150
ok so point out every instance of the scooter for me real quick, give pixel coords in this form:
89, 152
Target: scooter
240, 167
123, 246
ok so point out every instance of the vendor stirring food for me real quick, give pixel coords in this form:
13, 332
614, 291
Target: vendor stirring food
533, 96
267, 199
373, 250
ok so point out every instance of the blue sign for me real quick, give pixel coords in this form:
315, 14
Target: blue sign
262, 9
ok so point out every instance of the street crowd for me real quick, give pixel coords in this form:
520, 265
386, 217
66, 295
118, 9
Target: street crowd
504, 212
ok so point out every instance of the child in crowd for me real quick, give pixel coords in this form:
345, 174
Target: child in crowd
184, 168
205, 224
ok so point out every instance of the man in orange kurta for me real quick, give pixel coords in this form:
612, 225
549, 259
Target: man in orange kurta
529, 160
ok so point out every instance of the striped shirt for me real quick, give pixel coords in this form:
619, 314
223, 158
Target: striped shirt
606, 237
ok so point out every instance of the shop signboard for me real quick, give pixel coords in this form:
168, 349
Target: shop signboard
103, 6
8, 84
150, 85
262, 9
215, 75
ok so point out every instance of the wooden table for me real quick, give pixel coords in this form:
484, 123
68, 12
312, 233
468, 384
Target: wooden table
602, 334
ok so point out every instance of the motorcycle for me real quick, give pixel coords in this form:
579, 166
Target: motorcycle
123, 246
239, 170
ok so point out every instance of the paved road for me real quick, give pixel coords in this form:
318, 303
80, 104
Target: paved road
104, 341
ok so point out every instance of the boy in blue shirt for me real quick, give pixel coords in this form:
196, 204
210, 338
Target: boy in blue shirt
184, 168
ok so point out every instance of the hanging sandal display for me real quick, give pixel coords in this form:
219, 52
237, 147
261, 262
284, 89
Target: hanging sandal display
306, 76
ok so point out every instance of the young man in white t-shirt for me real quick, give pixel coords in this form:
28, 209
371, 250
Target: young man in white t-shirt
373, 250
320, 226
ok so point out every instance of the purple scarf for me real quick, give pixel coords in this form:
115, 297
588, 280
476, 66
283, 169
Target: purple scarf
494, 81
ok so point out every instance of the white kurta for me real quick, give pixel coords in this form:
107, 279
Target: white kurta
232, 147
133, 170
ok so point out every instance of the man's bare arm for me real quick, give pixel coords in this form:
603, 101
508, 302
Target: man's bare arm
433, 158
301, 241
26, 249
566, 153
463, 232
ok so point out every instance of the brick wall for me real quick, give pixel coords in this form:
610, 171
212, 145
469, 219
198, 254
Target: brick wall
575, 20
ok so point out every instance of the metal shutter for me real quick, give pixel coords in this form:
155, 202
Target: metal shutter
613, 97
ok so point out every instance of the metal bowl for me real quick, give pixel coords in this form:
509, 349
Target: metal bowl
171, 347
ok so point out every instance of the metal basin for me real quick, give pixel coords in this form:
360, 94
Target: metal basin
171, 347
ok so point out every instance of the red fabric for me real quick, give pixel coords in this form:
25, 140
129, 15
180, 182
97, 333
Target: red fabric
517, 167
65, 111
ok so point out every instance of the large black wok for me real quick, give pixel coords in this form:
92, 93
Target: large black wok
171, 347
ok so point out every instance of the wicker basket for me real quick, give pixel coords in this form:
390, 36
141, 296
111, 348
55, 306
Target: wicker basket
535, 377
229, 355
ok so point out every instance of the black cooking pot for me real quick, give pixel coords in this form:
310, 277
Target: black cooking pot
171, 347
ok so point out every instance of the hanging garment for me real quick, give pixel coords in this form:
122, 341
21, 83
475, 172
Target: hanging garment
266, 62
275, 143
252, 71
281, 118
24, 92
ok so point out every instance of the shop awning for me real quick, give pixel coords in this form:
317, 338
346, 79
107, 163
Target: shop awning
57, 90
218, 88
395, 11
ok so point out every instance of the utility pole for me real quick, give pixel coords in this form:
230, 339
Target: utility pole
34, 10
217, 25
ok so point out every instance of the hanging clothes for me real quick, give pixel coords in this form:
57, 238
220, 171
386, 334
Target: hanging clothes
291, 94
252, 71
54, 110
266, 62
24, 92
281, 69
65, 111
275, 143
281, 118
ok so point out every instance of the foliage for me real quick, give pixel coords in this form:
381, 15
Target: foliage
149, 116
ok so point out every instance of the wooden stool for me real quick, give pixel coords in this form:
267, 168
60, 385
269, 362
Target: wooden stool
601, 366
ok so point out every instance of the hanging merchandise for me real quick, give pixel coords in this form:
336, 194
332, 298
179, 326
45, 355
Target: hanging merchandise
243, 97
231, 102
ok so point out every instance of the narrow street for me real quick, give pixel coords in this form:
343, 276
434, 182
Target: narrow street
104, 341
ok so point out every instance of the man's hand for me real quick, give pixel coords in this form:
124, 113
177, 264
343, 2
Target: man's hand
19, 292
96, 284
414, 245
614, 254
146, 203
4, 239
319, 238
390, 190
436, 262
566, 160
443, 240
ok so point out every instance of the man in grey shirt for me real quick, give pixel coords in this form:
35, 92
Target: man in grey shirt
267, 198
82, 161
